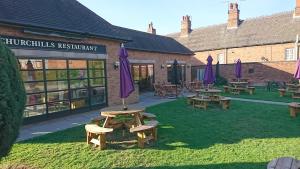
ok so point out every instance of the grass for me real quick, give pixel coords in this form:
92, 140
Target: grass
247, 136
263, 94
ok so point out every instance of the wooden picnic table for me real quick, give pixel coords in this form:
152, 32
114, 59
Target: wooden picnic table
239, 84
209, 92
111, 114
292, 87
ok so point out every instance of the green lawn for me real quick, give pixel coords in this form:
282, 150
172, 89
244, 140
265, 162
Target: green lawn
247, 136
263, 94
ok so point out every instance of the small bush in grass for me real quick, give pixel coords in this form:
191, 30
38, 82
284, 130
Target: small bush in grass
12, 99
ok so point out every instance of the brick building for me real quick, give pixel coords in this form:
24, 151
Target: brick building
68, 56
268, 40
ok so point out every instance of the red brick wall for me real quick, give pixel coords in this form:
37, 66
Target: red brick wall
269, 71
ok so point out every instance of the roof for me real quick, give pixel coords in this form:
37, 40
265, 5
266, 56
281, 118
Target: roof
63, 15
273, 29
70, 16
153, 43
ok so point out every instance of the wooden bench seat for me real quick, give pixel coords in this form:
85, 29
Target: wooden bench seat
200, 103
148, 116
294, 108
189, 99
251, 90
296, 95
282, 92
225, 102
96, 135
146, 132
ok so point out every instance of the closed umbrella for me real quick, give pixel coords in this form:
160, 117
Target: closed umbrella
126, 82
238, 69
297, 74
209, 77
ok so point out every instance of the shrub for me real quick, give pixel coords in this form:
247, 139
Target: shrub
221, 81
12, 99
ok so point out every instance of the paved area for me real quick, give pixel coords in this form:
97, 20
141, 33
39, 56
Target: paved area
38, 129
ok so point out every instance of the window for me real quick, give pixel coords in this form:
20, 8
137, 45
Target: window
221, 58
289, 54
181, 74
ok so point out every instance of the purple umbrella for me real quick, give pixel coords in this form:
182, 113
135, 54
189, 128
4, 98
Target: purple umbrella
297, 74
126, 82
238, 69
209, 77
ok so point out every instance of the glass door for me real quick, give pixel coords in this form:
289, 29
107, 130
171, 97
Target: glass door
143, 74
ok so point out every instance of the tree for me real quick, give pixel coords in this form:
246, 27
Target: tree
12, 99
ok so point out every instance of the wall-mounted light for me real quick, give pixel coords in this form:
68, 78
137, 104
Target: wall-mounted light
116, 65
162, 66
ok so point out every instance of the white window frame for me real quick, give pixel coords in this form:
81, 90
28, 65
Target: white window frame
221, 58
289, 54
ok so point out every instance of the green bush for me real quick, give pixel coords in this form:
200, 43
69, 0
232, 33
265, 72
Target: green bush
221, 81
12, 99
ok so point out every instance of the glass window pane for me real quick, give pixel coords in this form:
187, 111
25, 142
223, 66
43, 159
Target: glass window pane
79, 93
58, 106
96, 64
31, 64
77, 64
78, 74
55, 64
78, 84
76, 104
34, 87
56, 74
97, 95
32, 75
34, 99
57, 85
34, 110
58, 96
97, 82
94, 73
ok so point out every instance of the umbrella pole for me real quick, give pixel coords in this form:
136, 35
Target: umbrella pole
124, 105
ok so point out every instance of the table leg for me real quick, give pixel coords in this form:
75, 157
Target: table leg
107, 122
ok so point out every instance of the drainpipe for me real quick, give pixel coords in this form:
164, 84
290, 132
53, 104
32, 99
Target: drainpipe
297, 47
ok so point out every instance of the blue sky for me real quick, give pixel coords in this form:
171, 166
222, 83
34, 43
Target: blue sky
166, 14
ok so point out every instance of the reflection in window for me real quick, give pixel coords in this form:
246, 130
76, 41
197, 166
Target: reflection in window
58, 106
96, 64
97, 82
34, 99
78, 74
94, 73
55, 64
79, 93
35, 110
57, 85
36, 75
56, 74
78, 84
76, 104
77, 64
97, 95
58, 96
31, 64
34, 87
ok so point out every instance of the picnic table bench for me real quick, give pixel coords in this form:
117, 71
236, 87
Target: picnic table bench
146, 132
251, 90
294, 108
200, 102
284, 163
225, 102
96, 135
296, 95
189, 98
282, 92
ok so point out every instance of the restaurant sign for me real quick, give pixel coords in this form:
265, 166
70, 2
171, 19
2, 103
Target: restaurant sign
25, 43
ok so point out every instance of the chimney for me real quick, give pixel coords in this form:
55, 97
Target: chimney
186, 26
297, 9
151, 29
233, 16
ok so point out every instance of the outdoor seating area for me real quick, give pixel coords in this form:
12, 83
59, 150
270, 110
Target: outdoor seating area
166, 89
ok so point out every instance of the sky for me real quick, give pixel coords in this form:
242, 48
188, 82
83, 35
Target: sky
166, 15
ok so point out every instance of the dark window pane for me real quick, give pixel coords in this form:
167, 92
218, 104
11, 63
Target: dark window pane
78, 74
58, 106
57, 85
58, 96
94, 73
96, 64
56, 74
97, 95
97, 82
34, 110
32, 75
77, 64
34, 87
78, 84
55, 64
34, 99
79, 93
76, 104
31, 64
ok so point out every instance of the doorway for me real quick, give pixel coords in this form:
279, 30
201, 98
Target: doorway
143, 75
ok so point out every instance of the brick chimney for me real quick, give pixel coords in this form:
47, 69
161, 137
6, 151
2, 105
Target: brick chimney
297, 9
186, 26
151, 29
233, 16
